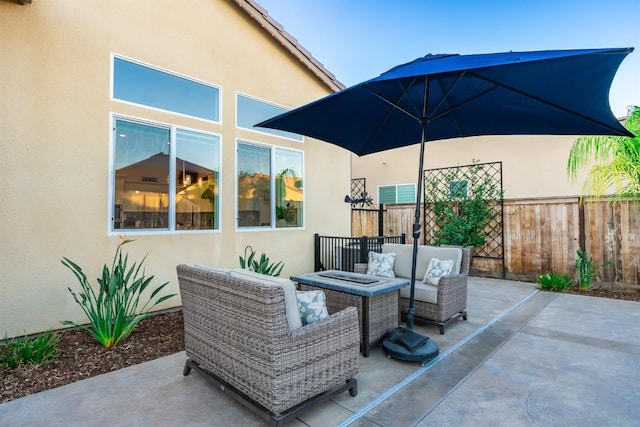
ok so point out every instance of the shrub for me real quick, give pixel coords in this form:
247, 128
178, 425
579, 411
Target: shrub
113, 311
262, 266
586, 271
464, 202
23, 351
554, 282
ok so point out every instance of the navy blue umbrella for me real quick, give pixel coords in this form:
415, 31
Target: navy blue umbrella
563, 92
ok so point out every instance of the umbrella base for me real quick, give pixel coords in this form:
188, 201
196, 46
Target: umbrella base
406, 344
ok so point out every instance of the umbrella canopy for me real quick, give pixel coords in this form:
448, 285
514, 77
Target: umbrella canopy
564, 92
549, 92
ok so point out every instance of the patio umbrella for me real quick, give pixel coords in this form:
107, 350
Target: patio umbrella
563, 92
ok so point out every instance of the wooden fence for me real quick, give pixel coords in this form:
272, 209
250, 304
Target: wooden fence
542, 236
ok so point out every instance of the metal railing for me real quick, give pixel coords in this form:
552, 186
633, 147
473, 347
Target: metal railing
341, 253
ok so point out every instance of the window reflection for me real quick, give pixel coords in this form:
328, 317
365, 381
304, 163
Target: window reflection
266, 199
143, 85
196, 181
254, 186
141, 170
289, 195
253, 111
143, 178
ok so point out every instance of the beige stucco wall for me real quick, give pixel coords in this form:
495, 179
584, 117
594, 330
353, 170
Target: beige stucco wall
533, 166
55, 135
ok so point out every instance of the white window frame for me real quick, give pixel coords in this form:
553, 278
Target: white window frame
167, 71
171, 229
273, 226
266, 131
396, 186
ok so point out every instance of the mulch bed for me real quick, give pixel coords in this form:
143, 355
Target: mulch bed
627, 295
80, 356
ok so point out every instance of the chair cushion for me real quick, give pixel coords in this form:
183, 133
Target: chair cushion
289, 288
404, 255
436, 269
217, 269
312, 306
381, 264
424, 292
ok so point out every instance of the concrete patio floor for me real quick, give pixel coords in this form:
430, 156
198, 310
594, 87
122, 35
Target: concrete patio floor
524, 358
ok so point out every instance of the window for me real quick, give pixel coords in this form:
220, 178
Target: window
458, 189
265, 198
197, 180
254, 186
140, 84
288, 180
397, 194
252, 111
165, 178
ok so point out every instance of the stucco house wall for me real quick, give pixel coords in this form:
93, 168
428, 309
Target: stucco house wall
55, 138
533, 166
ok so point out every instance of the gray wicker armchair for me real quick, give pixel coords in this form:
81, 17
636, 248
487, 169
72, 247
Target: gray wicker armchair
237, 332
452, 298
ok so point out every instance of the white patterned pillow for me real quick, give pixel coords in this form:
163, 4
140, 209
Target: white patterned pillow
312, 306
381, 264
436, 269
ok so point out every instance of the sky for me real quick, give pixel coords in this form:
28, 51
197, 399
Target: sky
359, 39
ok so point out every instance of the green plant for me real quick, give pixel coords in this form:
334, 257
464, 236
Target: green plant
113, 311
617, 162
462, 223
284, 209
463, 208
23, 351
260, 266
586, 271
284, 212
554, 282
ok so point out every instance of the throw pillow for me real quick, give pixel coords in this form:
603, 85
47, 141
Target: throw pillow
381, 264
312, 306
436, 269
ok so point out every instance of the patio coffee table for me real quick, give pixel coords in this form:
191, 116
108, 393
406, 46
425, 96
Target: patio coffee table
376, 299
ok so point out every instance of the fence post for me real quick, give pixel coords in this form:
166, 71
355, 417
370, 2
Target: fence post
381, 219
404, 238
364, 249
316, 252
581, 227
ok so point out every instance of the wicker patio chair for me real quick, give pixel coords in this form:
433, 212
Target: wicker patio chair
237, 332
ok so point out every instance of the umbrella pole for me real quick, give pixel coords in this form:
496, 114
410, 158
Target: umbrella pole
416, 230
405, 343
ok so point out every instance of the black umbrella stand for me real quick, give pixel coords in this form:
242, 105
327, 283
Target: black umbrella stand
403, 342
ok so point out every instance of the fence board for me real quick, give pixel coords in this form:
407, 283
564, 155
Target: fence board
364, 223
400, 220
628, 236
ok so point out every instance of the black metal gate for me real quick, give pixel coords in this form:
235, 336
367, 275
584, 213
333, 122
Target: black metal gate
341, 253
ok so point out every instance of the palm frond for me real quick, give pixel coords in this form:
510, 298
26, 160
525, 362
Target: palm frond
614, 162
